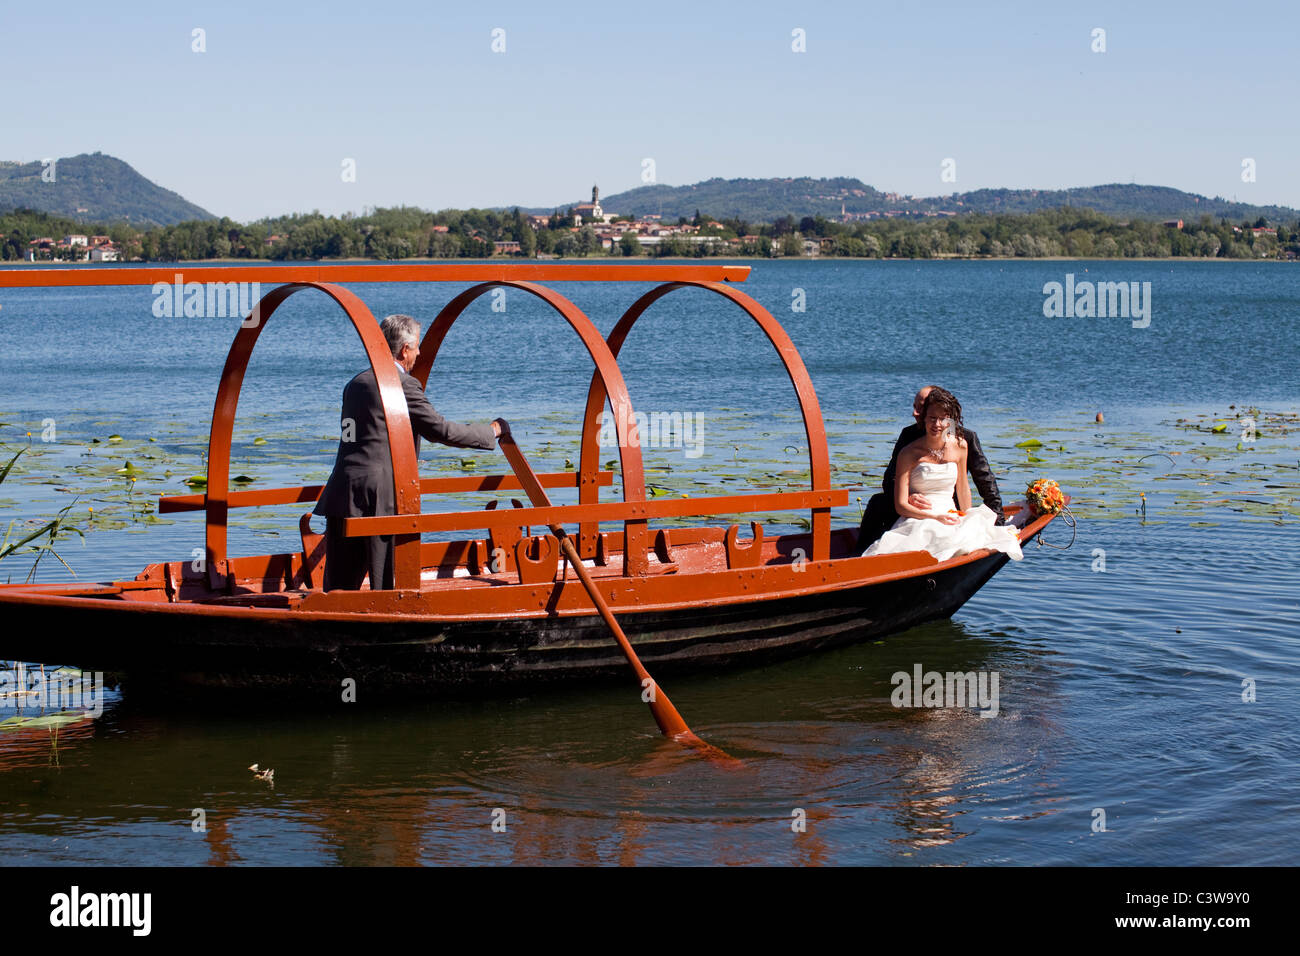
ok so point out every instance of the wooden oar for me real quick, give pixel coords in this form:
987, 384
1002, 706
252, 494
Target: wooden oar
666, 716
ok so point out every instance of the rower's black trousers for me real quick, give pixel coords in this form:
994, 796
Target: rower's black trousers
349, 560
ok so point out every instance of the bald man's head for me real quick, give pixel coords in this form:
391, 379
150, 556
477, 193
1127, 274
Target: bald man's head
918, 403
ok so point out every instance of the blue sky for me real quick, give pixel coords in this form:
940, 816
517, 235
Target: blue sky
261, 122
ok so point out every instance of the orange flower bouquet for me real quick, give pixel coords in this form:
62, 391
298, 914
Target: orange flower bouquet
1045, 497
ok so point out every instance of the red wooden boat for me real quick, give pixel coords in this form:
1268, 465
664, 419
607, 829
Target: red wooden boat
688, 598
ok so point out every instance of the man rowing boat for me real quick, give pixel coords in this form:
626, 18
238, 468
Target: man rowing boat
361, 484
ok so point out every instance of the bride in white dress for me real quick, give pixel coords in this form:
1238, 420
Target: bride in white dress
927, 475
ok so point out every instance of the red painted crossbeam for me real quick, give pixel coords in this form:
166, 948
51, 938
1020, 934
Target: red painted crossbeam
605, 511
37, 276
428, 486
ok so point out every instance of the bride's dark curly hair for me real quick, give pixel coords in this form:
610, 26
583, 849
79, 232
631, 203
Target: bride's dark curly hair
947, 402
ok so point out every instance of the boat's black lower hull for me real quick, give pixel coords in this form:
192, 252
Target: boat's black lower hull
162, 650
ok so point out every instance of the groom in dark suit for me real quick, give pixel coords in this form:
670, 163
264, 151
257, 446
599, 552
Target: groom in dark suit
880, 515
362, 481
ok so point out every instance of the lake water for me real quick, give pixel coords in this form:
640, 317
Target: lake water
1148, 674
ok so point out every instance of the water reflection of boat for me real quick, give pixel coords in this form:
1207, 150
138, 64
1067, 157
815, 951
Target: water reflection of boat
500, 606
36, 741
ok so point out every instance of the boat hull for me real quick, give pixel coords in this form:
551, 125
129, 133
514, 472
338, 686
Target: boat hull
422, 654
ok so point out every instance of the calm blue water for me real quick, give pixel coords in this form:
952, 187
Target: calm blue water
1121, 660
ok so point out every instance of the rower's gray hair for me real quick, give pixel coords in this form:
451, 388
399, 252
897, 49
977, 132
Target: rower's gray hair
400, 330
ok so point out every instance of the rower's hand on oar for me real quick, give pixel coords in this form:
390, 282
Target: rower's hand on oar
500, 427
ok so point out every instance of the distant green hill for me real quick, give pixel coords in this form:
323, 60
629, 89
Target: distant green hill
764, 200
93, 187
1121, 200
755, 200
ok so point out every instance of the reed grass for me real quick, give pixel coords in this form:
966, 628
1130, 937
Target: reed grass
32, 543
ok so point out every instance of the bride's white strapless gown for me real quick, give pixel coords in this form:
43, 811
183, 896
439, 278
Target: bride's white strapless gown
976, 529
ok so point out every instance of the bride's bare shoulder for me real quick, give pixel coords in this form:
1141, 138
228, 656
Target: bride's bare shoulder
908, 457
915, 448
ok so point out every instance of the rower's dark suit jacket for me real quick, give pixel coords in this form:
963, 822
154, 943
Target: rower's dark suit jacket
880, 513
362, 481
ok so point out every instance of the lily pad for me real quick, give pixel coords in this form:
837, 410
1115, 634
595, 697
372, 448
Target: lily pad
1029, 443
115, 438
43, 721
197, 481
259, 441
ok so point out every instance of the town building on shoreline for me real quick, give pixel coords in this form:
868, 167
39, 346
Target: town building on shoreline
72, 248
649, 230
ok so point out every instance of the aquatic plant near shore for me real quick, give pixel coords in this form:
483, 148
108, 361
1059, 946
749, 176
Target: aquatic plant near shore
52, 529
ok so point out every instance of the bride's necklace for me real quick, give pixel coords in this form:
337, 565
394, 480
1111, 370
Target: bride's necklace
936, 453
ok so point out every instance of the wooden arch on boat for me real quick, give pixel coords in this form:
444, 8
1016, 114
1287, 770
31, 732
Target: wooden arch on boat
814, 426
401, 441
612, 387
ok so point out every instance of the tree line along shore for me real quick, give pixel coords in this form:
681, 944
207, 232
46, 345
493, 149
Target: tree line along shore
406, 233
